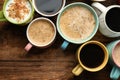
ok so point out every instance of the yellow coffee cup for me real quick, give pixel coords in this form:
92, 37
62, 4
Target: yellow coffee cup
92, 56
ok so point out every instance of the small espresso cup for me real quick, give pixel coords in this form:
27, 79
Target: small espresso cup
77, 23
48, 8
18, 12
41, 32
109, 19
92, 56
114, 58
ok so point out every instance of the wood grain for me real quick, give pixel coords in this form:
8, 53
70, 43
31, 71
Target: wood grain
43, 64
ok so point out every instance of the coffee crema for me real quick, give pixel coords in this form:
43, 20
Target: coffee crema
77, 23
18, 11
41, 32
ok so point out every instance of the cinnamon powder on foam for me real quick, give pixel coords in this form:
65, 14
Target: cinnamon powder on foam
18, 9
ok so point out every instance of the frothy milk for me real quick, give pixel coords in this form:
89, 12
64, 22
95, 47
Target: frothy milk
77, 23
18, 11
116, 54
41, 32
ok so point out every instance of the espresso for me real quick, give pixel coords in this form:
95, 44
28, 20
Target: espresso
18, 11
48, 6
92, 55
41, 32
113, 19
77, 23
116, 54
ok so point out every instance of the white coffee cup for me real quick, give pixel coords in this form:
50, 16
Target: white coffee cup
37, 32
104, 27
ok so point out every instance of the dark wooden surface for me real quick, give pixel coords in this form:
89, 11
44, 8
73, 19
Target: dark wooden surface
43, 64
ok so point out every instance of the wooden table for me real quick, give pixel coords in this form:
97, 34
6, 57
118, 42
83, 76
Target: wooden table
51, 63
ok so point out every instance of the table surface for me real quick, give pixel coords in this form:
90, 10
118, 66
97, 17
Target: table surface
51, 63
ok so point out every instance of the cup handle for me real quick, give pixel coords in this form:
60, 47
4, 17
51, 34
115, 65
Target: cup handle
64, 45
77, 70
99, 6
28, 47
2, 18
115, 73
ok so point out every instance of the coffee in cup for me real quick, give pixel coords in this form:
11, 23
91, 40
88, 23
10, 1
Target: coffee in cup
48, 7
17, 11
77, 23
114, 58
41, 32
109, 19
91, 56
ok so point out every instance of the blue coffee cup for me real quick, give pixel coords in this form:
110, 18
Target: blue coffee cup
59, 25
113, 50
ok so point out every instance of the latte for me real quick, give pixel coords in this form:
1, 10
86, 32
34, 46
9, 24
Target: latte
77, 23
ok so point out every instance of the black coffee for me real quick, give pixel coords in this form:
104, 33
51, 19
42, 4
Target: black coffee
49, 6
113, 19
92, 55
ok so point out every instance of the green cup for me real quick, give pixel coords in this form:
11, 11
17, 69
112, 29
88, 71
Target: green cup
18, 12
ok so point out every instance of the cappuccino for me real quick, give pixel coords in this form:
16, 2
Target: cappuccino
77, 23
41, 32
18, 11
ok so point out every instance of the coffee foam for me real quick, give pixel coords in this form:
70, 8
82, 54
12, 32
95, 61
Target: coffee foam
41, 32
18, 11
77, 23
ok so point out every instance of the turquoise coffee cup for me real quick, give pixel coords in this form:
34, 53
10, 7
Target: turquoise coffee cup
114, 58
76, 41
19, 13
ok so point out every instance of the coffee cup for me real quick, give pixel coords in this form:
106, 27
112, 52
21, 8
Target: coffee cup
114, 58
91, 56
18, 12
48, 8
109, 19
77, 23
41, 32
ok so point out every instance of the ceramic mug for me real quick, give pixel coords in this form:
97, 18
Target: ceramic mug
72, 24
91, 56
19, 13
114, 58
48, 8
109, 19
41, 32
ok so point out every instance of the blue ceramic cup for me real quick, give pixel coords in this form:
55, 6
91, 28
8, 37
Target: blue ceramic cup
114, 58
76, 25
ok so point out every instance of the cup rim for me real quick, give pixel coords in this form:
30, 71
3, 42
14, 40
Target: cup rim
91, 35
31, 14
53, 25
48, 15
105, 13
103, 64
117, 43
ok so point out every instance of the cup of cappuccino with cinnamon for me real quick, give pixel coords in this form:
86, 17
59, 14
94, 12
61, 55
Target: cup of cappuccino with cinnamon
18, 12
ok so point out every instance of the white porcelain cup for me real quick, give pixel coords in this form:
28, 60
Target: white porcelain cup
103, 14
41, 32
